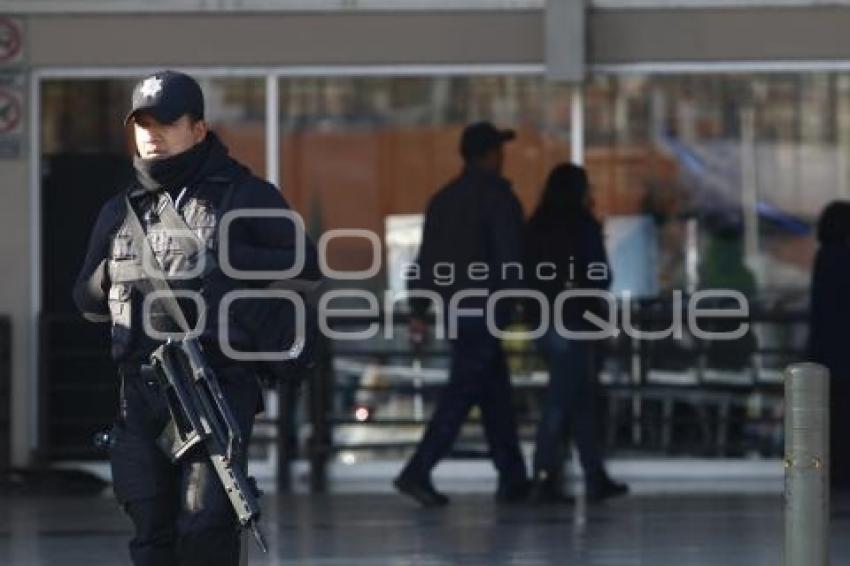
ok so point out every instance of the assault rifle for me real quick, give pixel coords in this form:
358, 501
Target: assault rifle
200, 415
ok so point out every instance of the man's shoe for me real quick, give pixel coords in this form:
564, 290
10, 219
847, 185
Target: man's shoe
420, 491
548, 492
605, 489
513, 493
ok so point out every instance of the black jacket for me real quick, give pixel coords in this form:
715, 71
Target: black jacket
476, 218
830, 309
576, 248
255, 244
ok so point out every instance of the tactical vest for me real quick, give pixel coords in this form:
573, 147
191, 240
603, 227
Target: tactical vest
127, 274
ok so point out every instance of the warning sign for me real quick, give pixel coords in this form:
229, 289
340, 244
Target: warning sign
12, 111
11, 40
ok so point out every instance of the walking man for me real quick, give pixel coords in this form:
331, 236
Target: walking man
472, 226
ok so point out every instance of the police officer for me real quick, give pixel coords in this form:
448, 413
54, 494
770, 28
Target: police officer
474, 220
180, 512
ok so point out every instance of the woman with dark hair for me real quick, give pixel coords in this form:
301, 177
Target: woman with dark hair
565, 250
829, 316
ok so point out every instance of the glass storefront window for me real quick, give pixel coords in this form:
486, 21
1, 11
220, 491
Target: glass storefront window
757, 156
717, 179
761, 154
357, 150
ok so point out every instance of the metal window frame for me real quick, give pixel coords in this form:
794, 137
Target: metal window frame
709, 4
720, 67
269, 6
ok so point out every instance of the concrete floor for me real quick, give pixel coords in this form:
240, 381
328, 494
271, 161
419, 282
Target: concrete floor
383, 529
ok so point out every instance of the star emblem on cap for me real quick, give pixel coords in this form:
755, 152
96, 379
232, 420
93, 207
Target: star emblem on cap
151, 87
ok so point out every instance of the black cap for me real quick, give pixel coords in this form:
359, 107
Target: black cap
167, 96
481, 137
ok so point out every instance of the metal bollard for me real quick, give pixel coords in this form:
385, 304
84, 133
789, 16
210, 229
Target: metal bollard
806, 465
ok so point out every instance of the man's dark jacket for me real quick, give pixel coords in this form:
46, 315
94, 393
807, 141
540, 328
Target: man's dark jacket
476, 218
255, 244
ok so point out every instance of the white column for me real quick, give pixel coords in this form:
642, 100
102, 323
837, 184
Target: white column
749, 189
842, 145
272, 130
25, 417
577, 125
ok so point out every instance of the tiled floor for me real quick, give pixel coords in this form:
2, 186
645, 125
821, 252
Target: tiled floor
383, 529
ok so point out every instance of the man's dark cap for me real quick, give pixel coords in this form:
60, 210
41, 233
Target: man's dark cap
479, 138
167, 95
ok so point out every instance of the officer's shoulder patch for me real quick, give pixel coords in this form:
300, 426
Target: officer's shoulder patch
200, 212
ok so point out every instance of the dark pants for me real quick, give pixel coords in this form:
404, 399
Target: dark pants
180, 512
570, 401
839, 419
478, 376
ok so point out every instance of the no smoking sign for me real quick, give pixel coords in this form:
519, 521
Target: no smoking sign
10, 111
12, 81
11, 40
